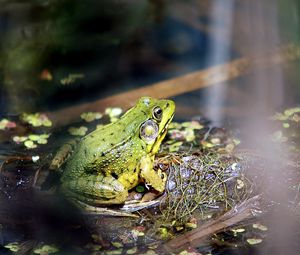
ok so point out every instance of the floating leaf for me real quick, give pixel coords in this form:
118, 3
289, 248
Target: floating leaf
291, 111
149, 252
296, 118
215, 140
113, 113
236, 141
14, 247
30, 144
117, 244
114, 252
40, 139
286, 125
19, 139
31, 140
175, 146
34, 137
238, 230
189, 134
253, 241
81, 131
91, 116
280, 117
46, 249
164, 233
260, 227
206, 144
191, 225
93, 247
36, 119
6, 124
189, 253
132, 250
175, 125
136, 233
192, 124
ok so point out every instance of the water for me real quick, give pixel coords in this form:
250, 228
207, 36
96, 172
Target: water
59, 54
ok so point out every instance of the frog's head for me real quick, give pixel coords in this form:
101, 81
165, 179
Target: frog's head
157, 115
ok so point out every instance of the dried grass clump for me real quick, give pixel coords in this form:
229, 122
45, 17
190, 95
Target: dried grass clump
201, 183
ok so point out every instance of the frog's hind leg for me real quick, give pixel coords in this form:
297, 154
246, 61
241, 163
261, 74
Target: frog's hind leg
95, 190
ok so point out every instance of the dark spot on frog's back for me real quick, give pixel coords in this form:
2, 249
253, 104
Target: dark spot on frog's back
102, 154
114, 175
85, 152
112, 133
167, 105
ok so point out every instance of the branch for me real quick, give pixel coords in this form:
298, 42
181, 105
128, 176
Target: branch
181, 84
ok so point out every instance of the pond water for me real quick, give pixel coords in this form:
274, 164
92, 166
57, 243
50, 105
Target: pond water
63, 58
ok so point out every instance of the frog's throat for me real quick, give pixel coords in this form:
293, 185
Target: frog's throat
155, 147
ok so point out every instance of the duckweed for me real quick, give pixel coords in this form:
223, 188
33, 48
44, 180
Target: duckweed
80, 131
91, 116
7, 124
36, 119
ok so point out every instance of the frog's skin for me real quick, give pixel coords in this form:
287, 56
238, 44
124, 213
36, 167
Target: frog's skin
114, 158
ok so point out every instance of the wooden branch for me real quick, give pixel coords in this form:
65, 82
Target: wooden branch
194, 238
181, 84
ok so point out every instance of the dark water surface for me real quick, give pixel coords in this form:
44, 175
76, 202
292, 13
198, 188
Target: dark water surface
55, 54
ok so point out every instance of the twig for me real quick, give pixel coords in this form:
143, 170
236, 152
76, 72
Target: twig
193, 238
181, 84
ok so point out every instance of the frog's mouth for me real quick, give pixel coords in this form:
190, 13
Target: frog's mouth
162, 135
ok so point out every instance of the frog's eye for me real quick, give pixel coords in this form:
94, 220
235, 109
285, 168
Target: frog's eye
149, 130
157, 113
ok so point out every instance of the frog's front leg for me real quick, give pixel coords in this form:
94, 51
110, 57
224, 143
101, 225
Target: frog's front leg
157, 179
63, 154
95, 189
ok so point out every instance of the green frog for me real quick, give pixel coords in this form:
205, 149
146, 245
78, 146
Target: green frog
113, 159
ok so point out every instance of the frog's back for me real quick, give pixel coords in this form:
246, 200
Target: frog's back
97, 148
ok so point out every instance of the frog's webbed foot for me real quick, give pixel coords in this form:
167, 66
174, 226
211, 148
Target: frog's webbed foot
95, 190
157, 179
